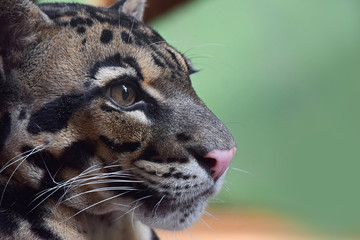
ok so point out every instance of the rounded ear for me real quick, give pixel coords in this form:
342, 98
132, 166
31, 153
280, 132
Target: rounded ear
20, 21
133, 8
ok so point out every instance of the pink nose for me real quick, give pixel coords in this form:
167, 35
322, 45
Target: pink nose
222, 161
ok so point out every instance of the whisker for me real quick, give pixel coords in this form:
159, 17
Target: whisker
8, 164
17, 167
131, 208
157, 206
241, 170
100, 190
93, 205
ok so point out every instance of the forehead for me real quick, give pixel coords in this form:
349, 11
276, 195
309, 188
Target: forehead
109, 39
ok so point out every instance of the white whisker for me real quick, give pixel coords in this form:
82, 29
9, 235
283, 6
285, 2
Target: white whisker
93, 205
240, 170
17, 167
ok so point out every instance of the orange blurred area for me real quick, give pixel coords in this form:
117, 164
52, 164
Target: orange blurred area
239, 225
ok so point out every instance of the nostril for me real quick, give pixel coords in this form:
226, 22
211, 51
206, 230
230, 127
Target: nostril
206, 163
222, 161
215, 162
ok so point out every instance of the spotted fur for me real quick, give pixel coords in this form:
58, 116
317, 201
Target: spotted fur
101, 133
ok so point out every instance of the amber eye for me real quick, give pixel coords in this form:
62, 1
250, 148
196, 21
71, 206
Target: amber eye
123, 94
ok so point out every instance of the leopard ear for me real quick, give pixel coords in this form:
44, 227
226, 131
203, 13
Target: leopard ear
20, 22
134, 8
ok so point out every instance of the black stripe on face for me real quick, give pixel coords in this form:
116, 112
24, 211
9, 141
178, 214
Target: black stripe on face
55, 115
112, 61
116, 61
157, 61
173, 56
5, 127
120, 148
134, 64
78, 154
43, 159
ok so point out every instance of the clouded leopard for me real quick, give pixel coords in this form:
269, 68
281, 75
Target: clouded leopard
101, 133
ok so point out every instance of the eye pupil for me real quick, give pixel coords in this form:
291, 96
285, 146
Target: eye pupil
122, 94
125, 92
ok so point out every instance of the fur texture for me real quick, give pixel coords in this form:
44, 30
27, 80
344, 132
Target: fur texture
101, 133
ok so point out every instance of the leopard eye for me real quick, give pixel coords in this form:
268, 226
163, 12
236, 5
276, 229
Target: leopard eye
123, 94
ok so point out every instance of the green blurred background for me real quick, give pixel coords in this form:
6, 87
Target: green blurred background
284, 76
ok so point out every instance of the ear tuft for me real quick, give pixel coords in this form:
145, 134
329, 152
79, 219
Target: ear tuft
20, 21
133, 8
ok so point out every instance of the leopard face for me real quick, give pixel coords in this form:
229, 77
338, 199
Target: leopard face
100, 116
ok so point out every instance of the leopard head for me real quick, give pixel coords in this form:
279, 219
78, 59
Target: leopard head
99, 115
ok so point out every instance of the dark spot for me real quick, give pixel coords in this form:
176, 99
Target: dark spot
167, 175
5, 127
22, 114
83, 41
178, 175
186, 177
182, 137
81, 30
187, 186
106, 36
78, 154
126, 38
89, 22
120, 148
